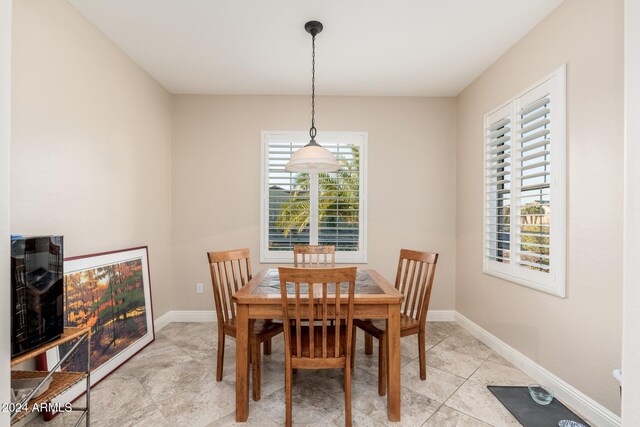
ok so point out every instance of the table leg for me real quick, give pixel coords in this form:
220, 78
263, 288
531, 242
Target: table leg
242, 363
393, 363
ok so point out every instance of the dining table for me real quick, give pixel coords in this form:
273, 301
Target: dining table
261, 298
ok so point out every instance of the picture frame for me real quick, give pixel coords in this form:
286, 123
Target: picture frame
111, 292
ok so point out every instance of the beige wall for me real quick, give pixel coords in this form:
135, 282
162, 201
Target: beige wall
577, 338
216, 179
91, 144
5, 137
631, 337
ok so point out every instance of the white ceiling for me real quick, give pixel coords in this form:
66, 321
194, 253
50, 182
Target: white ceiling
368, 47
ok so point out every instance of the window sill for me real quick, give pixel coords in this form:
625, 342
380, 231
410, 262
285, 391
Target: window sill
287, 258
528, 283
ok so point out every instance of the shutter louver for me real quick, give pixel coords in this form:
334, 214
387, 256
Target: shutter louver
498, 191
533, 172
288, 200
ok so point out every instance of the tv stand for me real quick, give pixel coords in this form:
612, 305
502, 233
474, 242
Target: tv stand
60, 381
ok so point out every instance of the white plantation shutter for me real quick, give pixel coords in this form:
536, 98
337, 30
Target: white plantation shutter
498, 189
533, 172
325, 209
525, 188
339, 200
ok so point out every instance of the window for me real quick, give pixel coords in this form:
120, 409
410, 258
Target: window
324, 209
524, 188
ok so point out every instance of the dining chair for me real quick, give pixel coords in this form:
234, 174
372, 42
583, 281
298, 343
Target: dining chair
414, 278
231, 270
314, 256
309, 256
316, 344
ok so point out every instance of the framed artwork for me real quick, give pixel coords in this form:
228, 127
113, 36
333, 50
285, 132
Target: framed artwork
110, 292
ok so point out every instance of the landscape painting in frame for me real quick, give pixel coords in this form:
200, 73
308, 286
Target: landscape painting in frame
110, 292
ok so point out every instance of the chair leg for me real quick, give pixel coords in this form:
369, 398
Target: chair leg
255, 355
267, 347
422, 355
353, 347
382, 365
347, 396
368, 344
288, 392
219, 366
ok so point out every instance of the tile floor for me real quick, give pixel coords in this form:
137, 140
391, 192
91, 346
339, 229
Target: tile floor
172, 383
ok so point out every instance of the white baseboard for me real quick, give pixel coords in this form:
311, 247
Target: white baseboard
589, 408
179, 316
441, 316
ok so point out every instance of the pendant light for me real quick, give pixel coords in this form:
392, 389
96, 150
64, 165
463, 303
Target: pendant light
313, 157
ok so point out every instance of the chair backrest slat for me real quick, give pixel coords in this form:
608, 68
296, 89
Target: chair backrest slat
248, 265
298, 321
324, 320
230, 290
427, 283
414, 278
337, 322
409, 294
233, 275
224, 277
416, 294
311, 323
222, 289
314, 256
322, 303
405, 275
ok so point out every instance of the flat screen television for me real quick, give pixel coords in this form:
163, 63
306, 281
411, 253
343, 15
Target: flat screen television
37, 285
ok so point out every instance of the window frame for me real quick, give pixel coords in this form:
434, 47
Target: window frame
286, 257
554, 282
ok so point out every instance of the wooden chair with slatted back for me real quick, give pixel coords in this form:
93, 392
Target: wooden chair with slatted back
231, 270
315, 295
314, 256
414, 278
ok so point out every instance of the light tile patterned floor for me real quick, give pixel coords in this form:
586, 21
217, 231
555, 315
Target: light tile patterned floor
174, 378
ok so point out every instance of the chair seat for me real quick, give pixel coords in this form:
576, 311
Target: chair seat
378, 327
317, 341
263, 329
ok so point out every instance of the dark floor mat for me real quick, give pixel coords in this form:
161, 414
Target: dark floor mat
518, 401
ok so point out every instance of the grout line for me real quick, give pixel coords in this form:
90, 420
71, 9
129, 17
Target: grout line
434, 412
458, 388
153, 401
468, 414
479, 366
447, 372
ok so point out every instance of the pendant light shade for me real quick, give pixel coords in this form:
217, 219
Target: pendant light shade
312, 158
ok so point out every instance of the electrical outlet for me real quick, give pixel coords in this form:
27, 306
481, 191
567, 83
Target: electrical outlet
199, 288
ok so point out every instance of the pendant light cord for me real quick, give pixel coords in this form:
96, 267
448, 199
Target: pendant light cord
312, 131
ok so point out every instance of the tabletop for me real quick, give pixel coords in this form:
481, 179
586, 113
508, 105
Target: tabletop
264, 288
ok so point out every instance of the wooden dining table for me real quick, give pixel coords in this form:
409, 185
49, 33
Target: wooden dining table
260, 298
